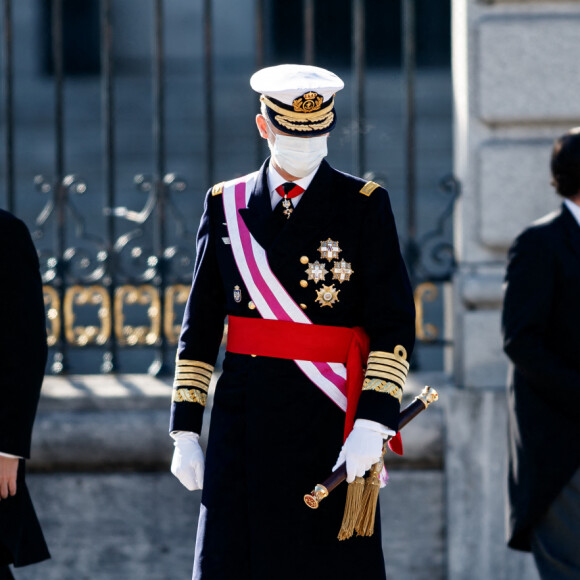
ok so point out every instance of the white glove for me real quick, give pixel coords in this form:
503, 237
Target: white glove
188, 461
362, 448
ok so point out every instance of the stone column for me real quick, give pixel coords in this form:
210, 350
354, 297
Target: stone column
516, 66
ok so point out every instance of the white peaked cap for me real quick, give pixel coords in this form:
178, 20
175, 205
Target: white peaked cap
286, 82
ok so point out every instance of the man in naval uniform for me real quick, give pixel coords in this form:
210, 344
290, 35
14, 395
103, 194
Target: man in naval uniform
23, 354
541, 331
304, 261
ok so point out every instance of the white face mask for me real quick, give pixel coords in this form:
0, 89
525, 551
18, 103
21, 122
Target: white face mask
298, 156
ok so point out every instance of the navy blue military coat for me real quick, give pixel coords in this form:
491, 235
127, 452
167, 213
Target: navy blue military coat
23, 353
274, 434
541, 330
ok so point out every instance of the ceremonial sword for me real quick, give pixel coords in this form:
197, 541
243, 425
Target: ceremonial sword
321, 490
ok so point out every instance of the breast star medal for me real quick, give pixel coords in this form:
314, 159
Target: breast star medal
342, 271
327, 295
316, 271
329, 250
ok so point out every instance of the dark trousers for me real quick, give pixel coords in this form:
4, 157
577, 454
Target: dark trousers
556, 538
5, 573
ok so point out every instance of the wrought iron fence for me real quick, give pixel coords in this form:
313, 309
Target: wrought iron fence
117, 290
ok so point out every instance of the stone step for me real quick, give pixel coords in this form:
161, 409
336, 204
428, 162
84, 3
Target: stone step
96, 423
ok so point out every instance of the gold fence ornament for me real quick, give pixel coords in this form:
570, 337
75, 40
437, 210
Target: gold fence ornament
176, 294
52, 304
425, 292
145, 295
87, 296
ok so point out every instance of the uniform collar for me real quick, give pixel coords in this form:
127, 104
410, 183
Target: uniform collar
316, 209
275, 180
574, 209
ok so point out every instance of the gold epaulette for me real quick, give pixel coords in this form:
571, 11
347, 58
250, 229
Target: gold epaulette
218, 188
369, 187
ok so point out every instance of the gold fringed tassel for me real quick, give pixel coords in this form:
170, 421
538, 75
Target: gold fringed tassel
365, 523
352, 508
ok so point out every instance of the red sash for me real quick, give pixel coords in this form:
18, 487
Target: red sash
308, 342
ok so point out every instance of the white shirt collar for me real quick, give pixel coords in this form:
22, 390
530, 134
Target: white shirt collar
275, 180
574, 209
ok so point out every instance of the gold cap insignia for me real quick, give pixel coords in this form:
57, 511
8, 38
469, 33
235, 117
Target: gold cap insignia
308, 102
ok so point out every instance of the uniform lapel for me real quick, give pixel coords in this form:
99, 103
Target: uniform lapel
257, 216
313, 212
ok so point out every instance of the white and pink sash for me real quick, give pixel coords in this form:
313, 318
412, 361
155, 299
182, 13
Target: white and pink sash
271, 298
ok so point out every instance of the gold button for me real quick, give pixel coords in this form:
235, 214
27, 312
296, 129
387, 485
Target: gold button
253, 355
303, 283
251, 305
304, 260
303, 306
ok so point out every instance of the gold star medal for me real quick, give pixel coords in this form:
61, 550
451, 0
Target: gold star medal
329, 250
342, 271
316, 271
327, 295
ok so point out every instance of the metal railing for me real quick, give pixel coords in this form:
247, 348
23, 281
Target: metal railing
112, 273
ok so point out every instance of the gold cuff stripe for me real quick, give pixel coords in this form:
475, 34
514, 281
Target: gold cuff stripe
192, 379
388, 376
388, 363
193, 363
400, 359
194, 371
369, 187
298, 116
189, 396
180, 383
383, 387
386, 369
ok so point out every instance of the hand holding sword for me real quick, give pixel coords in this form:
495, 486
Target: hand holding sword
322, 490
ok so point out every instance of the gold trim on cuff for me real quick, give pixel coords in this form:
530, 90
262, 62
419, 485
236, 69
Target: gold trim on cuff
192, 373
383, 387
374, 361
183, 362
388, 376
189, 396
378, 369
177, 383
400, 355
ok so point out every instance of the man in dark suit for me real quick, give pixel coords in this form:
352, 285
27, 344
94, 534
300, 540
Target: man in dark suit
305, 262
541, 329
23, 354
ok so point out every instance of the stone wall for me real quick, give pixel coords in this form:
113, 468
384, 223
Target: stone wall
513, 63
99, 478
514, 70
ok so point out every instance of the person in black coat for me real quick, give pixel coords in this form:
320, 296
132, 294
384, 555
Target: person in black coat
23, 352
305, 262
541, 332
